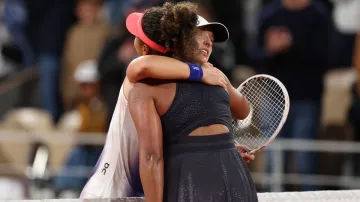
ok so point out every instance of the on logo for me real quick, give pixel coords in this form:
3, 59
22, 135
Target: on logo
106, 166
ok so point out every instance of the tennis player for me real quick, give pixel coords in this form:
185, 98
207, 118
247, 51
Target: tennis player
186, 148
116, 174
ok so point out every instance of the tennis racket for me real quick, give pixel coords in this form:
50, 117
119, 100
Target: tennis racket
269, 106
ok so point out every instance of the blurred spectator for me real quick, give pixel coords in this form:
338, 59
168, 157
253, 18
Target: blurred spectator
354, 112
292, 45
251, 8
38, 28
230, 15
84, 41
91, 105
16, 18
6, 62
114, 11
113, 61
346, 17
92, 112
117, 10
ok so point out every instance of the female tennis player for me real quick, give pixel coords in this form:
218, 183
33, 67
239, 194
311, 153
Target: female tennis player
167, 68
186, 149
116, 174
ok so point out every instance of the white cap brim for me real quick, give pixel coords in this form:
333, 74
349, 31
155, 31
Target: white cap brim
221, 33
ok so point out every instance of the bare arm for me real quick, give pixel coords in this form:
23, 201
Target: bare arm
160, 67
148, 126
239, 106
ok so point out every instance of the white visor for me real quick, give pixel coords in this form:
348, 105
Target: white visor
221, 33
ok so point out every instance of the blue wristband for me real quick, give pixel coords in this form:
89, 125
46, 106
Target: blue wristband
196, 72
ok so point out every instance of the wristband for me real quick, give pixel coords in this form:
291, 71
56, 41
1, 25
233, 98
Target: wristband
196, 72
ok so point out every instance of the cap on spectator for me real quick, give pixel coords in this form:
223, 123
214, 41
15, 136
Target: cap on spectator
87, 72
221, 33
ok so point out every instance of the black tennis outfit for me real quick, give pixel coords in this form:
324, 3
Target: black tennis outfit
202, 168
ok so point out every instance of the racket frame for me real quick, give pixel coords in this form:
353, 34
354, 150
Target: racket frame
285, 114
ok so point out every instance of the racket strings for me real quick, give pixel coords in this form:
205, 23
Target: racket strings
260, 102
267, 106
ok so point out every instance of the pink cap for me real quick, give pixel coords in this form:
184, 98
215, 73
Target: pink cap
133, 24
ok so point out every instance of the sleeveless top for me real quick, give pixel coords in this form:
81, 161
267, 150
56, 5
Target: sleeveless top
116, 173
195, 105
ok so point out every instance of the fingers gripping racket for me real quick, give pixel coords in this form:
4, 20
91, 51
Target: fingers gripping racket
269, 106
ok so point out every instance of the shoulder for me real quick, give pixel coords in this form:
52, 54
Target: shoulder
142, 89
150, 88
141, 86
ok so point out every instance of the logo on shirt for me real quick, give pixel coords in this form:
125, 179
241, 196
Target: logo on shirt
106, 166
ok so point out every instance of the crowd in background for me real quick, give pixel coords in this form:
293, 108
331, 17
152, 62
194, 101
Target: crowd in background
81, 49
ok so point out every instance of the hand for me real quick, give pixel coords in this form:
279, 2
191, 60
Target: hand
277, 40
213, 76
244, 154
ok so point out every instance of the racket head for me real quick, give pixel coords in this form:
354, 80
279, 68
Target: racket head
262, 91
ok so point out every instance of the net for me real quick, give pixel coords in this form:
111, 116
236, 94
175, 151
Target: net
267, 100
314, 196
